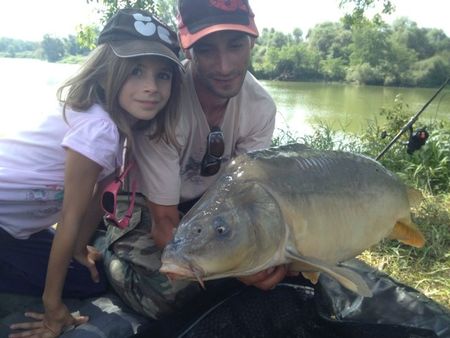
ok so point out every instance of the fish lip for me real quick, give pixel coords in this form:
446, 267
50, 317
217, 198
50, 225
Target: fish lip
178, 271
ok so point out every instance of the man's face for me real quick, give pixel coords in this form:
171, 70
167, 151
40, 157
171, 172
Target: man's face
220, 61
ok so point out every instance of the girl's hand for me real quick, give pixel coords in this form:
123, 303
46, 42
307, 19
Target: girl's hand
88, 258
49, 325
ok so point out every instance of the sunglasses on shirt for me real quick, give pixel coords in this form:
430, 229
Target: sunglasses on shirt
215, 147
109, 200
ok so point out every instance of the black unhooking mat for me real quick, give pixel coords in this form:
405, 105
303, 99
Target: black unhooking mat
297, 309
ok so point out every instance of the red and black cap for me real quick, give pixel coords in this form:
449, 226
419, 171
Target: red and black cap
198, 18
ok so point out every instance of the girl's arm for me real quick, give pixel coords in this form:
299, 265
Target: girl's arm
80, 178
82, 253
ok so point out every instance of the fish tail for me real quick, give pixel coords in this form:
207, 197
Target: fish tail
408, 234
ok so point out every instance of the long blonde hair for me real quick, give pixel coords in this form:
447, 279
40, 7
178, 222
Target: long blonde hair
100, 80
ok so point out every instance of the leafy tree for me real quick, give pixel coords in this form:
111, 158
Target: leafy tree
53, 48
438, 39
330, 40
406, 32
15, 47
433, 71
298, 35
370, 44
72, 47
333, 69
359, 8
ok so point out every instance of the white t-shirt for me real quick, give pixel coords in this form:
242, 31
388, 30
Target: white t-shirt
32, 165
168, 176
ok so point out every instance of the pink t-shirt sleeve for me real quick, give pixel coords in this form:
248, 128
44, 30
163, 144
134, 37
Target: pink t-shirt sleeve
97, 138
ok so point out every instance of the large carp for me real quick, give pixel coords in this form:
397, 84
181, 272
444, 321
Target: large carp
291, 205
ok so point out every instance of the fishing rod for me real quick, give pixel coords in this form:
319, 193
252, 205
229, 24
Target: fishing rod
421, 135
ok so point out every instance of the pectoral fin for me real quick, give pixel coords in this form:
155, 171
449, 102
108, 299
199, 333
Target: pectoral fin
349, 279
313, 277
308, 271
408, 234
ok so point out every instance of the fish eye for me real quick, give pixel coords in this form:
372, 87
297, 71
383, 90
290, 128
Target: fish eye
220, 225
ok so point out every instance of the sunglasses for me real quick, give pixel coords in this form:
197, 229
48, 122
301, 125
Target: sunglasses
109, 200
215, 147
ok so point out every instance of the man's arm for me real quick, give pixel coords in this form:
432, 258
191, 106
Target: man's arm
165, 219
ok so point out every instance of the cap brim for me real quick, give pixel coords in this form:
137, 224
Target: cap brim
187, 39
134, 48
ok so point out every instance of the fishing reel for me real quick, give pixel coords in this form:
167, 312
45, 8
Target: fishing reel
417, 139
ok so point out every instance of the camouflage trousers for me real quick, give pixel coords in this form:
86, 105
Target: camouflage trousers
132, 263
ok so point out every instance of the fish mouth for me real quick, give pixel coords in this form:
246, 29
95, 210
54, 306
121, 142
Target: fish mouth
175, 271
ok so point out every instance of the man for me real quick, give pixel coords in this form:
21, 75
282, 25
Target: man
224, 112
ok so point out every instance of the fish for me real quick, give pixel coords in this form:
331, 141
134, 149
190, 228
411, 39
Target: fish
307, 208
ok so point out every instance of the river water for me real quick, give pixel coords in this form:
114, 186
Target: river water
27, 86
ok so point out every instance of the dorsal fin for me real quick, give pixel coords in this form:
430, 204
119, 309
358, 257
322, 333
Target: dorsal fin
408, 234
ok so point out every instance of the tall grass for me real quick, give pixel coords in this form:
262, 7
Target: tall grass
428, 169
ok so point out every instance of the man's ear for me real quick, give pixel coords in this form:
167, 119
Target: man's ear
252, 42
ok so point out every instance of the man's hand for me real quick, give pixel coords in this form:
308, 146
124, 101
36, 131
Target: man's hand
266, 279
88, 258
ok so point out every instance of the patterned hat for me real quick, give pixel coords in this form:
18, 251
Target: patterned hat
133, 32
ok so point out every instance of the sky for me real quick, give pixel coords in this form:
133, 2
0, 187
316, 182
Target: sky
60, 18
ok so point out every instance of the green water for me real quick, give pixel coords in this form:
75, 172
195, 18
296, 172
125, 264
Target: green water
348, 107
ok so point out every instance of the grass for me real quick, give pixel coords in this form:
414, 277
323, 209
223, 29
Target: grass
426, 269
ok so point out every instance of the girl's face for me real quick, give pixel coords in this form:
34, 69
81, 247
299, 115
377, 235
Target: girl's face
147, 88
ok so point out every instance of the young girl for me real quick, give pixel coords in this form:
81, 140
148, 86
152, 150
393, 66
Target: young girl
56, 173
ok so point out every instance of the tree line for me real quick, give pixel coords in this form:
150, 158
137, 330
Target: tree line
51, 49
368, 52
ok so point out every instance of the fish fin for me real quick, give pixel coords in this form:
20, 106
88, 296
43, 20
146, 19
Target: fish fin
313, 277
308, 271
348, 278
415, 197
408, 234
